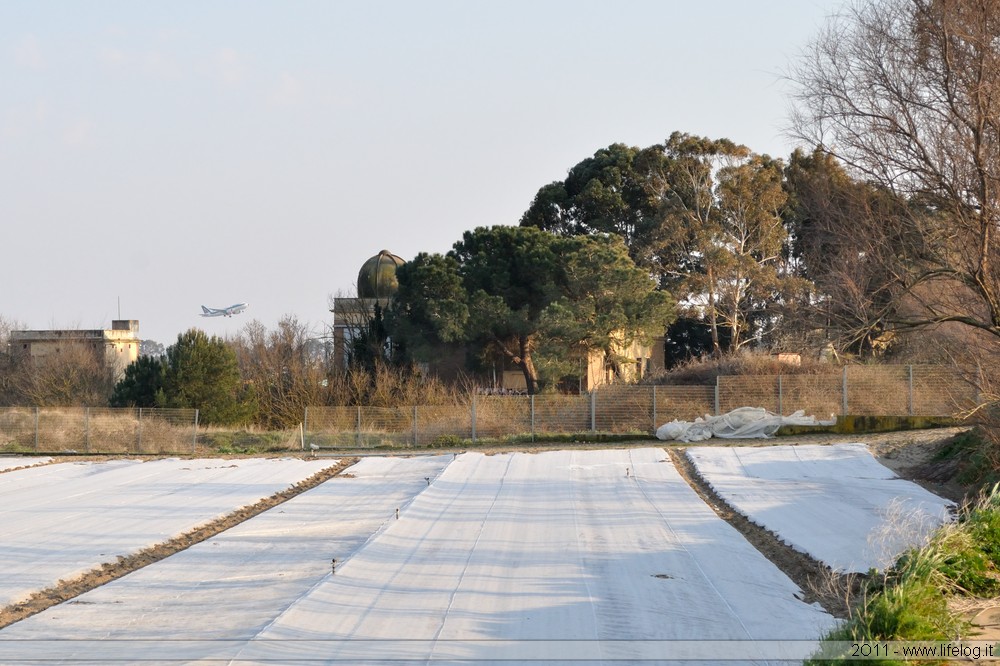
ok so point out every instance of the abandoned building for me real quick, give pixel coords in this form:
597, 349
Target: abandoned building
116, 348
377, 286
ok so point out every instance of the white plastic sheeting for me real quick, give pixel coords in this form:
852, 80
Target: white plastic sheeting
16, 462
836, 503
741, 423
59, 521
585, 546
232, 585
606, 549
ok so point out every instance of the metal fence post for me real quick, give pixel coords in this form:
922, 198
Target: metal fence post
194, 435
36, 429
473, 415
563, 412
909, 369
138, 433
532, 397
781, 410
305, 427
86, 430
843, 393
654, 408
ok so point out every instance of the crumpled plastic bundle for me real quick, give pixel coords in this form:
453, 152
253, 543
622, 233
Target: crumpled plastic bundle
741, 423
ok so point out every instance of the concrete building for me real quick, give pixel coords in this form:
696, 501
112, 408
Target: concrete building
377, 286
117, 347
635, 363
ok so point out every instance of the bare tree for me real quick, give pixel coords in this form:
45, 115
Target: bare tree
838, 225
7, 361
907, 94
283, 373
78, 376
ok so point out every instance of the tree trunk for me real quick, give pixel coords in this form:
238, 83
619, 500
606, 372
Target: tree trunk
713, 324
527, 365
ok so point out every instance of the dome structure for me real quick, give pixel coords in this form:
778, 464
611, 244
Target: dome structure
377, 277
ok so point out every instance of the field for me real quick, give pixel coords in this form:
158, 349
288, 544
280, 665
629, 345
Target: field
59, 521
836, 503
559, 555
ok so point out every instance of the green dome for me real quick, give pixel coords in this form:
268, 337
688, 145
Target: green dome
377, 277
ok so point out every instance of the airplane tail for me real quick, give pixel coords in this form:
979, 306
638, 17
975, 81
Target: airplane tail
204, 310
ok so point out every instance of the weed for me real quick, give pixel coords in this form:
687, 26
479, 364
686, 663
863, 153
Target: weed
16, 447
229, 442
976, 456
910, 600
447, 441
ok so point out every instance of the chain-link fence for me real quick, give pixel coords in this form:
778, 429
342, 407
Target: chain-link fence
97, 430
616, 409
624, 409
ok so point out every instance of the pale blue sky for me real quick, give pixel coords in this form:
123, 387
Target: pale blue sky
182, 153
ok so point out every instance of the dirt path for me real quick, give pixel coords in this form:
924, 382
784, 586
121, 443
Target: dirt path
109, 571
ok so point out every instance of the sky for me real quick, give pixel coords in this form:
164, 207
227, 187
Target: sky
160, 156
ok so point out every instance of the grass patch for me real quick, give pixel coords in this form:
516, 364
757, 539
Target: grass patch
559, 438
16, 447
857, 425
909, 602
228, 442
976, 458
391, 442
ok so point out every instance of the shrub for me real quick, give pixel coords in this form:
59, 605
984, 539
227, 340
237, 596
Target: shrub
910, 601
447, 441
977, 457
705, 369
243, 442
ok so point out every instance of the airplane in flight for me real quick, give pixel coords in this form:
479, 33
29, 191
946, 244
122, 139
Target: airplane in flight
224, 312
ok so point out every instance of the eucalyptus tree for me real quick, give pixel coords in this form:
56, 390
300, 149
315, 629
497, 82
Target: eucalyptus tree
753, 277
700, 215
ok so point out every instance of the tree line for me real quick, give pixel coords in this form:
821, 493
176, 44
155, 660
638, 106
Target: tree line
886, 225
